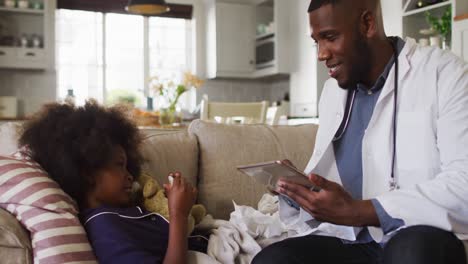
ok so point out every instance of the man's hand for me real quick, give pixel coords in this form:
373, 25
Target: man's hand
331, 204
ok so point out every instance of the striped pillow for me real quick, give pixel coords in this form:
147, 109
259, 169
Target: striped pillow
50, 215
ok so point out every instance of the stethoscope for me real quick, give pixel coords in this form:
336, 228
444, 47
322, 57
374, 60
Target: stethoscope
393, 183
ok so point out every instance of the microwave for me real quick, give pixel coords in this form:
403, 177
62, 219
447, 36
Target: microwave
265, 53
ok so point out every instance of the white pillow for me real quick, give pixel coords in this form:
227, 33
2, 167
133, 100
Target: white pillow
49, 214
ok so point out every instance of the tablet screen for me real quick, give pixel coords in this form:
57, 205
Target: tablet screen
269, 173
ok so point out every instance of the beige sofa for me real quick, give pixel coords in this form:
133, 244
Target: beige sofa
207, 155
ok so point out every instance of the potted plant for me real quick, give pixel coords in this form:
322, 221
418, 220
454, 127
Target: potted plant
443, 25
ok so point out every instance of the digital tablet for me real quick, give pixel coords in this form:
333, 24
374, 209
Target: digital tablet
269, 173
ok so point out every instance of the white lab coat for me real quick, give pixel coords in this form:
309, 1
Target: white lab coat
432, 141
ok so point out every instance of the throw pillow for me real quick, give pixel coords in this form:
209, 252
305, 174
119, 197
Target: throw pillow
9, 133
49, 214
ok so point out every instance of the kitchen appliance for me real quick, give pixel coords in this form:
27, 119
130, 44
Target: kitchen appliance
265, 52
8, 107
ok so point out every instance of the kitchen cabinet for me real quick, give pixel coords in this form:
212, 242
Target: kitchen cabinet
249, 39
273, 37
460, 38
32, 26
230, 40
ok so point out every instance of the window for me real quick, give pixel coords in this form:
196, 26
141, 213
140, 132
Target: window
100, 54
124, 52
79, 59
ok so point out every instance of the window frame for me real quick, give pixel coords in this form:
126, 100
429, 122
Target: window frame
190, 46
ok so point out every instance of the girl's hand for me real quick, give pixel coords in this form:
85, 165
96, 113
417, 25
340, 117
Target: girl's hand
181, 196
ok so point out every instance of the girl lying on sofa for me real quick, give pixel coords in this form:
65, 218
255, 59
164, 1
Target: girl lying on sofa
92, 152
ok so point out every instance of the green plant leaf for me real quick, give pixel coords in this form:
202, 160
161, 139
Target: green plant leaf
442, 25
181, 89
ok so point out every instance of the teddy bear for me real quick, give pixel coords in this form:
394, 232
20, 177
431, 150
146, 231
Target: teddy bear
154, 200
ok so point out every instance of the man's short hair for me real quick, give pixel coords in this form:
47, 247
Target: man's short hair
316, 4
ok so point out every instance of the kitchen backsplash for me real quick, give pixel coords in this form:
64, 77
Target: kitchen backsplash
235, 90
32, 88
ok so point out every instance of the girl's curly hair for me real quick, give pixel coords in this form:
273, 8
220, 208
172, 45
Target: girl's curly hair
72, 143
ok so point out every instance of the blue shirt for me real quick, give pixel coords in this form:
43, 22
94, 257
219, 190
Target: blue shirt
348, 149
130, 235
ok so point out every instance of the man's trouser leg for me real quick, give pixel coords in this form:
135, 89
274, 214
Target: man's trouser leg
318, 249
424, 245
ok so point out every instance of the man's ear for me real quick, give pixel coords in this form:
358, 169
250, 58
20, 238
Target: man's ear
368, 25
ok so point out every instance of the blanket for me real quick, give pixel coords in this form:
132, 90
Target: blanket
248, 230
238, 240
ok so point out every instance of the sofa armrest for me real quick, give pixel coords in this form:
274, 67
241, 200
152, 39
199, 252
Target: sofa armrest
15, 242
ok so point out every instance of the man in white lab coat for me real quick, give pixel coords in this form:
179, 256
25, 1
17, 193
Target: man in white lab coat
391, 156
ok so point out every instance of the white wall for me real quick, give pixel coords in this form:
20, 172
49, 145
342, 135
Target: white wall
307, 73
392, 15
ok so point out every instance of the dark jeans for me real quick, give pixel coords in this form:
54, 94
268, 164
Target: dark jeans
412, 245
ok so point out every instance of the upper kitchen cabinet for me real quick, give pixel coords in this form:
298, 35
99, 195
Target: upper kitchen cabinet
230, 40
27, 34
272, 41
248, 39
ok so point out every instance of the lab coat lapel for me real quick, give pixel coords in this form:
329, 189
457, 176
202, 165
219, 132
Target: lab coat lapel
404, 67
334, 119
330, 120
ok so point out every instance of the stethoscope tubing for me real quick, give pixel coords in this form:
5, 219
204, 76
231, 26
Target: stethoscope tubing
393, 184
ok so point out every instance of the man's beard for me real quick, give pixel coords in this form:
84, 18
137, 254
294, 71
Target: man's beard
360, 63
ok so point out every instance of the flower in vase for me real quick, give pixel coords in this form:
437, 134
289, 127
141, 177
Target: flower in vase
169, 91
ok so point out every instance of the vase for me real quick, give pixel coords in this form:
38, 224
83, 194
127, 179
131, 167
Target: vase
445, 43
170, 117
435, 41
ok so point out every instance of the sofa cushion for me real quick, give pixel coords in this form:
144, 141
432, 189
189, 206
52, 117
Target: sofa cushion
49, 214
15, 244
297, 142
170, 152
224, 147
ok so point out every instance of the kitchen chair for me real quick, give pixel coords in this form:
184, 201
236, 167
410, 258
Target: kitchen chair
277, 113
234, 113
